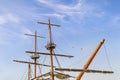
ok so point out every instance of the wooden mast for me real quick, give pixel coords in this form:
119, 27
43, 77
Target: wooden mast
29, 71
35, 56
35, 59
90, 60
50, 49
50, 46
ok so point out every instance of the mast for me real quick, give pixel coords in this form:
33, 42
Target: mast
90, 60
29, 71
50, 46
35, 56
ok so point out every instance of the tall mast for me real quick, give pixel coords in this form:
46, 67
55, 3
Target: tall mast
50, 46
35, 56
29, 71
90, 60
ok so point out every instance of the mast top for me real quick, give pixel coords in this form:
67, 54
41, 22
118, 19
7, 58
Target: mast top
48, 23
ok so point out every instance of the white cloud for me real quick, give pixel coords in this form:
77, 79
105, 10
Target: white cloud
75, 12
46, 2
114, 22
13, 18
25, 30
10, 34
8, 18
2, 20
57, 15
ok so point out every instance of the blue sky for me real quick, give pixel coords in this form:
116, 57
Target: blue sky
83, 24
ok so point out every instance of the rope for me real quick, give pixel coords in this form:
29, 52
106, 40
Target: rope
59, 49
44, 60
26, 77
40, 70
79, 61
57, 60
59, 65
23, 75
107, 57
32, 73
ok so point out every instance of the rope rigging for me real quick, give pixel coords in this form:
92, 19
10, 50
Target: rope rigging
107, 57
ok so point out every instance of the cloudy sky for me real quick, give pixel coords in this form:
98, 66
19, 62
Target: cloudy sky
83, 24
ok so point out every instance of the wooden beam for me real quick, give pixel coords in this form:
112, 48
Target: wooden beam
87, 71
48, 24
34, 35
31, 52
31, 63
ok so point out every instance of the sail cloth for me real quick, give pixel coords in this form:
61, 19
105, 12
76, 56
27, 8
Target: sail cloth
56, 74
